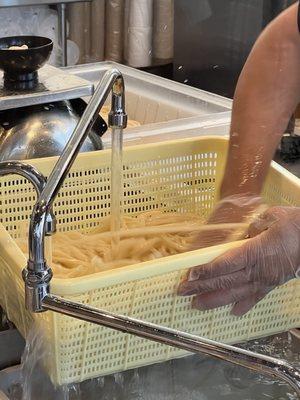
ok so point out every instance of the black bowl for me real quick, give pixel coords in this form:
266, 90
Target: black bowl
22, 65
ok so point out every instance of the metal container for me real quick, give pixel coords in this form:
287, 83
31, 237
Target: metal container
152, 100
43, 130
39, 109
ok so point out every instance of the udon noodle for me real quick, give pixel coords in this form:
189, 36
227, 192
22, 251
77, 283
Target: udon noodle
148, 236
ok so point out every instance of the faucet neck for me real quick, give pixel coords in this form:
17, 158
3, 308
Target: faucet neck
38, 273
81, 131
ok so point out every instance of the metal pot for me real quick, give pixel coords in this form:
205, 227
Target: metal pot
43, 130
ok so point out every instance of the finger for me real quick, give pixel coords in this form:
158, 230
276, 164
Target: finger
266, 220
243, 306
258, 226
224, 297
229, 262
190, 288
261, 223
211, 238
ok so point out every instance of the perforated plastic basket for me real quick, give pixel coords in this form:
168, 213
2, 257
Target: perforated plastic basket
181, 175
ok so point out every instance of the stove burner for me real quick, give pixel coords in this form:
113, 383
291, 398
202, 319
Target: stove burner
20, 66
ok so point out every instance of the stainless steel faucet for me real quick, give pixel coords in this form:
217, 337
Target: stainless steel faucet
38, 274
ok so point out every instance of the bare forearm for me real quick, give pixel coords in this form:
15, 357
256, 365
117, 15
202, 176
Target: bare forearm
266, 96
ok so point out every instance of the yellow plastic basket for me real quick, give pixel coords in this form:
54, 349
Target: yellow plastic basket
181, 175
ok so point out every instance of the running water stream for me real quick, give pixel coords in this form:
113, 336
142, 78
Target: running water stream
116, 187
116, 191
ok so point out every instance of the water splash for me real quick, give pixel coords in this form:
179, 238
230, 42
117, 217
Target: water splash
192, 378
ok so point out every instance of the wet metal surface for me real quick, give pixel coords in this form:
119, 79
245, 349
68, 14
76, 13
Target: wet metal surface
54, 85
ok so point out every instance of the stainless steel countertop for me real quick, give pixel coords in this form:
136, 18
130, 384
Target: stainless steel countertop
22, 3
55, 84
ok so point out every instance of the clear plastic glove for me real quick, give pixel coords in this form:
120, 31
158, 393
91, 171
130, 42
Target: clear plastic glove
236, 208
245, 275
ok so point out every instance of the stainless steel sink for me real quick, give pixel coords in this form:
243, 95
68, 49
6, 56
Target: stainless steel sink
153, 100
165, 109
190, 378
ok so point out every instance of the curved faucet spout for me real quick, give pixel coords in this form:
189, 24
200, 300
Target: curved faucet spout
113, 82
26, 171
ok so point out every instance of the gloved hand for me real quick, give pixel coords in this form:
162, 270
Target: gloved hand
245, 275
235, 208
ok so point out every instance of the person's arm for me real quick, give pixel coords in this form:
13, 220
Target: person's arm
266, 96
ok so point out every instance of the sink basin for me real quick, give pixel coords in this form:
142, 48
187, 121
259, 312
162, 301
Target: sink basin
165, 109
189, 378
152, 100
